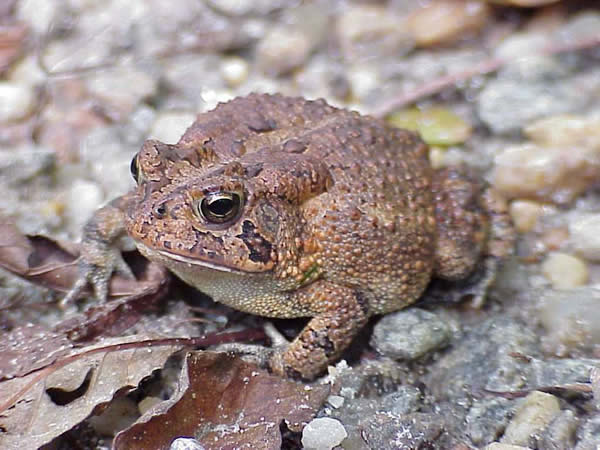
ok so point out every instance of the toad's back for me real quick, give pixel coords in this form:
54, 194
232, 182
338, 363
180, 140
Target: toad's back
375, 224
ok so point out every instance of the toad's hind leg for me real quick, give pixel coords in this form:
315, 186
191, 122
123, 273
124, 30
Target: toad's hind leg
339, 314
474, 233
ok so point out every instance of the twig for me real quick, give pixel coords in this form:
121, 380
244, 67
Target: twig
488, 66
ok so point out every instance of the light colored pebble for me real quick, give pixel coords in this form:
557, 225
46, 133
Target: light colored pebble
566, 130
123, 88
186, 443
441, 21
17, 101
571, 319
584, 231
367, 31
525, 214
335, 400
506, 104
499, 446
565, 271
437, 157
169, 126
555, 174
323, 433
83, 199
534, 413
282, 50
234, 71
39, 14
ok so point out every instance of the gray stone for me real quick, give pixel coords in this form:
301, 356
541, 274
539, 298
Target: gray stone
410, 334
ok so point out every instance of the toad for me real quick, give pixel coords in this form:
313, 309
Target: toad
284, 207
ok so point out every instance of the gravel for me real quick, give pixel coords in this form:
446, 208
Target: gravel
440, 376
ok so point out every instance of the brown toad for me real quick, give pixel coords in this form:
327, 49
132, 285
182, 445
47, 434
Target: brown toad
284, 207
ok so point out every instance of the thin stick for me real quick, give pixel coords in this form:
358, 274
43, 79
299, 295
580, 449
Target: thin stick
488, 66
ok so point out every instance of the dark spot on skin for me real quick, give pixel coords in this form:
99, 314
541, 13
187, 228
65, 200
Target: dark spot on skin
292, 373
362, 301
238, 148
294, 146
322, 341
167, 244
261, 124
259, 247
254, 170
160, 211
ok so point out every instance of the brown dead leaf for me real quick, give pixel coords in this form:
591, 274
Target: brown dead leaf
54, 400
51, 263
225, 403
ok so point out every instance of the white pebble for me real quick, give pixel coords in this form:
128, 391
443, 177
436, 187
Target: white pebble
535, 412
323, 434
565, 271
169, 126
585, 237
17, 101
234, 71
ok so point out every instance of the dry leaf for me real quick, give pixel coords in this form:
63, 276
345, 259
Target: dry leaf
53, 264
225, 403
54, 401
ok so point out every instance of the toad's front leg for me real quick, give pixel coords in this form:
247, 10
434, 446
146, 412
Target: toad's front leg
99, 257
339, 314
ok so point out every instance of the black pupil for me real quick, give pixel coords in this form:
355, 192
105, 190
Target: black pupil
134, 168
221, 206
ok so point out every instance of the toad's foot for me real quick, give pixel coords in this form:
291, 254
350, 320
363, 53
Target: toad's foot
98, 257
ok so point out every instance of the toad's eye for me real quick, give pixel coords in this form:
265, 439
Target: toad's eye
134, 168
220, 207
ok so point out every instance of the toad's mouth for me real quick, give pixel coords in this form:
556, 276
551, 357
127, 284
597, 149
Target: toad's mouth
165, 257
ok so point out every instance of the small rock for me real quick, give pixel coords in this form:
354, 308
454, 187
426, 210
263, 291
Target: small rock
239, 8
589, 434
405, 400
580, 27
571, 319
437, 126
170, 126
368, 31
39, 14
186, 443
410, 334
565, 271
487, 419
84, 198
282, 50
336, 401
583, 232
550, 174
525, 214
534, 413
17, 101
505, 105
234, 71
123, 88
323, 434
499, 446
567, 130
411, 431
560, 433
441, 21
